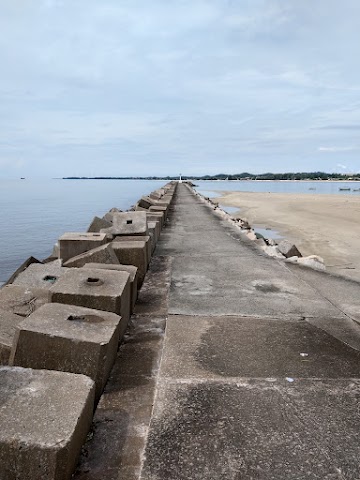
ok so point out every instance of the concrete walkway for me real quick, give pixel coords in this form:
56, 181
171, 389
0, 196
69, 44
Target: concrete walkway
259, 371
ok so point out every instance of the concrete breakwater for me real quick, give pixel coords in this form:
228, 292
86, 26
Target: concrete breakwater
61, 322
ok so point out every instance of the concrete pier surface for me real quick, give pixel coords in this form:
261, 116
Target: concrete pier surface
236, 366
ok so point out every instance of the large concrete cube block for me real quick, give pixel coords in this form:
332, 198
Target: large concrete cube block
132, 252
8, 325
146, 202
22, 267
99, 289
73, 244
44, 417
108, 217
156, 217
128, 223
153, 235
69, 339
22, 300
38, 275
97, 224
159, 208
156, 226
132, 271
156, 195
103, 254
130, 238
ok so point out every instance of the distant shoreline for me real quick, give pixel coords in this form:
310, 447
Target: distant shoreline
355, 180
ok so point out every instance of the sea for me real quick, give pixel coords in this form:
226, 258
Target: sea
34, 213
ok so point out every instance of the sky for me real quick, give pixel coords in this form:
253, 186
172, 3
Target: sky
159, 87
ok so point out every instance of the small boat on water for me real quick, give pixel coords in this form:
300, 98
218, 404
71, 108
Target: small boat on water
356, 190
347, 189
312, 188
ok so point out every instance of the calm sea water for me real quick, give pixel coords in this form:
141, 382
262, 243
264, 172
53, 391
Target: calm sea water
210, 188
35, 213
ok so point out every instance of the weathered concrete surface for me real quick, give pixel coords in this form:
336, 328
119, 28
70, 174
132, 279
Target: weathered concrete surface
123, 414
100, 289
42, 427
155, 216
132, 253
69, 339
97, 224
38, 275
22, 300
136, 238
72, 244
159, 208
258, 375
104, 254
22, 267
8, 325
128, 223
132, 271
254, 429
260, 367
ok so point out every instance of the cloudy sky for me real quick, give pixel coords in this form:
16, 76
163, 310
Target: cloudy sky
141, 87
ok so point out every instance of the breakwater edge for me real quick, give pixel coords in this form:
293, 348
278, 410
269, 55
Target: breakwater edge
61, 322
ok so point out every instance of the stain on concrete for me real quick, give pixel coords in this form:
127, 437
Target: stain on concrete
266, 348
256, 429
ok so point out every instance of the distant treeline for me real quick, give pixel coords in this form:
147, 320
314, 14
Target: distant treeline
241, 176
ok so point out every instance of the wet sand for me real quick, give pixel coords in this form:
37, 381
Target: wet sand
324, 225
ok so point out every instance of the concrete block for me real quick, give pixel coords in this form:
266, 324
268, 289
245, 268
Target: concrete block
44, 417
128, 223
56, 250
288, 249
155, 224
69, 339
132, 252
99, 289
8, 324
156, 217
73, 244
22, 300
22, 267
108, 217
159, 208
97, 224
152, 235
146, 202
103, 254
40, 275
130, 269
156, 195
144, 238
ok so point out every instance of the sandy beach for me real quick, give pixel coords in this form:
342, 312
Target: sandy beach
324, 225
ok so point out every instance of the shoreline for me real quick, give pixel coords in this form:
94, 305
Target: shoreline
325, 225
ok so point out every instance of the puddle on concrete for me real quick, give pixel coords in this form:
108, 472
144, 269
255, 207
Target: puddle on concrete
268, 232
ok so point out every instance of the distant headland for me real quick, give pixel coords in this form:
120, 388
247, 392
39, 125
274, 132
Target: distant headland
241, 176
